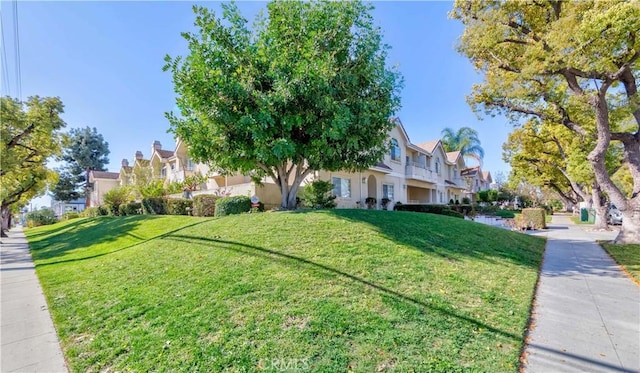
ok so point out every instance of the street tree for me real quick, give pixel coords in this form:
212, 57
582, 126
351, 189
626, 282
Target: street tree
29, 135
307, 88
465, 140
573, 63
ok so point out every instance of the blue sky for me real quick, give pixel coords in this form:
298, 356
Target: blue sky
104, 60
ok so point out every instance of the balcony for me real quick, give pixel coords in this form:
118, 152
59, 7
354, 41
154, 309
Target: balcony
419, 172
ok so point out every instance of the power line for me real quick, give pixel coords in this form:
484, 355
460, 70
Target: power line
5, 62
16, 34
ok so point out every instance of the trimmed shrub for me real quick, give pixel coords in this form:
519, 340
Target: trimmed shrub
92, 212
463, 209
319, 195
204, 205
70, 215
535, 218
505, 214
466, 201
131, 208
179, 206
40, 217
232, 205
430, 209
154, 206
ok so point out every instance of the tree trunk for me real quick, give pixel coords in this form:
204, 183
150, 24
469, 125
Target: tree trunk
599, 205
4, 224
630, 229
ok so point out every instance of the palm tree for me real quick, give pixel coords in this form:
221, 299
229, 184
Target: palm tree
464, 140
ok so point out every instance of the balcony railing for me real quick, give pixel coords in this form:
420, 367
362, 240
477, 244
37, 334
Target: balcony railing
419, 172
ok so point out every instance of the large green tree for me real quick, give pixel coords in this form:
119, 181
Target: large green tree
550, 156
84, 150
307, 88
465, 140
29, 135
567, 62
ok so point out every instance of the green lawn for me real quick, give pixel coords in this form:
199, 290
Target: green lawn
628, 256
328, 291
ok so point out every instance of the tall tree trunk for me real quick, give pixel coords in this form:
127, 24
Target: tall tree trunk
629, 207
4, 224
600, 206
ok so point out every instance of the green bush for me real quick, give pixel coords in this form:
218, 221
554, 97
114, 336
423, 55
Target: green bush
534, 218
92, 212
40, 217
154, 206
232, 205
179, 206
131, 208
116, 197
466, 201
204, 205
70, 215
319, 195
430, 209
505, 214
463, 209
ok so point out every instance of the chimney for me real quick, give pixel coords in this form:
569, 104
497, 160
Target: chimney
125, 162
139, 155
156, 145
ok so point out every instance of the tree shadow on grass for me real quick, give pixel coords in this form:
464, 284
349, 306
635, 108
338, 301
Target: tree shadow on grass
292, 260
449, 237
141, 241
63, 227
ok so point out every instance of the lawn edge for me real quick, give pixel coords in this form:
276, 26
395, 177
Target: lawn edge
620, 265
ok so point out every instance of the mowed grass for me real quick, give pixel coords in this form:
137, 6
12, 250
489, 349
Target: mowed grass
326, 291
628, 256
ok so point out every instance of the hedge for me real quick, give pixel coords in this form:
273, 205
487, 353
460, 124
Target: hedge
179, 206
232, 205
430, 209
154, 206
131, 208
204, 205
534, 218
92, 212
463, 209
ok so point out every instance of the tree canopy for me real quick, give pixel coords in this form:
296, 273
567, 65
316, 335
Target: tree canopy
573, 64
307, 88
29, 135
84, 149
465, 140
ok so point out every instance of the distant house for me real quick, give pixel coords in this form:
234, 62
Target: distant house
476, 180
101, 182
60, 207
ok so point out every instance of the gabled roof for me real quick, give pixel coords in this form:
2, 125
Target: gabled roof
470, 172
165, 153
453, 156
487, 176
105, 175
126, 169
429, 146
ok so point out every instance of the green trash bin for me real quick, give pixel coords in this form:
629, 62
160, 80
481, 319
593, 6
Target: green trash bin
584, 215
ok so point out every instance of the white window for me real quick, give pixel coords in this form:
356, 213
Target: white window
190, 164
438, 166
395, 150
341, 187
387, 191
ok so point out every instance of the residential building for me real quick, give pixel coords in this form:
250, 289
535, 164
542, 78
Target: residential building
101, 182
61, 207
476, 180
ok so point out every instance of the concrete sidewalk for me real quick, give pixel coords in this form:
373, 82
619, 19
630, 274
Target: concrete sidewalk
586, 316
29, 340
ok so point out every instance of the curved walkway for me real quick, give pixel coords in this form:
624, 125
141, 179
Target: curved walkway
586, 315
29, 340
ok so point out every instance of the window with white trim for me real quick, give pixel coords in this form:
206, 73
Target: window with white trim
190, 165
387, 191
341, 187
395, 150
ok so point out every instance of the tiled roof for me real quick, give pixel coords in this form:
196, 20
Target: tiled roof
471, 171
449, 182
165, 153
486, 175
453, 156
383, 166
429, 146
105, 175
